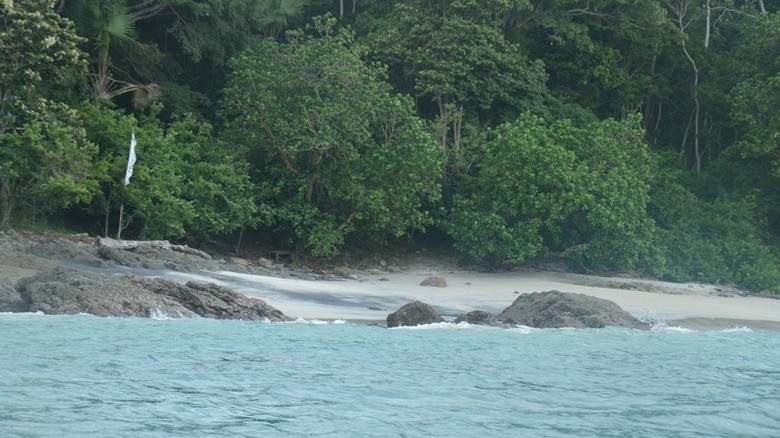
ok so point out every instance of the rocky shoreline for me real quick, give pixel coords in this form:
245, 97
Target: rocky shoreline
51, 274
67, 274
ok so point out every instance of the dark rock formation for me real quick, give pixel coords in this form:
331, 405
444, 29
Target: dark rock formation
213, 301
414, 313
480, 317
434, 281
66, 291
554, 309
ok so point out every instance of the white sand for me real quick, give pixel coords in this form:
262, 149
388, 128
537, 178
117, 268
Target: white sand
373, 295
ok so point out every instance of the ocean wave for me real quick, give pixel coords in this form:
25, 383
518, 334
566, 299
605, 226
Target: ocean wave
741, 329
315, 322
463, 326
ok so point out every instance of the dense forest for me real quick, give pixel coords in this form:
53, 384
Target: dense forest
639, 135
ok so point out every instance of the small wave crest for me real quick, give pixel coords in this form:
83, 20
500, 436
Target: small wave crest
315, 322
161, 315
741, 329
462, 326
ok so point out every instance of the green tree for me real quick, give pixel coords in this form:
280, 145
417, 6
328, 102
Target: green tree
45, 159
108, 23
543, 188
334, 152
40, 51
44, 166
184, 181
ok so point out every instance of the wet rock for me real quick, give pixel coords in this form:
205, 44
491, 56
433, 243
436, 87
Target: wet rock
434, 281
414, 313
555, 309
66, 291
480, 317
212, 301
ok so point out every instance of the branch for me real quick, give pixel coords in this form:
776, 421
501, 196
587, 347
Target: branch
139, 12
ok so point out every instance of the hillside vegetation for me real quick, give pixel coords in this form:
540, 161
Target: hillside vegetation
639, 135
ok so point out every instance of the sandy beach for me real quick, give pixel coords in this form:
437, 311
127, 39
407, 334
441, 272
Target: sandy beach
371, 294
360, 292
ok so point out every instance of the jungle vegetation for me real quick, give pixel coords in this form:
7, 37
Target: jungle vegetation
632, 135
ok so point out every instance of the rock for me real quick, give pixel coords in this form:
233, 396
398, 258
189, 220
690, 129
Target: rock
10, 299
479, 317
414, 313
555, 309
68, 250
434, 281
67, 291
212, 301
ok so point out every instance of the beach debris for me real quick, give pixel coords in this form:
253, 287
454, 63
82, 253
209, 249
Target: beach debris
414, 313
434, 281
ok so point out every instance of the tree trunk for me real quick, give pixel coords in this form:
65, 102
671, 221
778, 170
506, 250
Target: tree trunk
709, 24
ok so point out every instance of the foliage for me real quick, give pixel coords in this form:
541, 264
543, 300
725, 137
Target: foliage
543, 187
334, 151
40, 51
183, 181
44, 167
717, 241
451, 56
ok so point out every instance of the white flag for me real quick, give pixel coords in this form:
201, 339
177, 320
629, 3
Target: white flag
130, 160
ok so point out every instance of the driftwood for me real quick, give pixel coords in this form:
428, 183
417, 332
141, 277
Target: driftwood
130, 245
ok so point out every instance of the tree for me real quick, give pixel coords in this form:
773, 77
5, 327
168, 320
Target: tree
40, 51
44, 155
184, 180
544, 188
107, 23
334, 152
45, 166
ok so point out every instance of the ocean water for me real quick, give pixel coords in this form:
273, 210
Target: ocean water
84, 376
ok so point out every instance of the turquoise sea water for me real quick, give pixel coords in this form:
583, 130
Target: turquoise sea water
83, 376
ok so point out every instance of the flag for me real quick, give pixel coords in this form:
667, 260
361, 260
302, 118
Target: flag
130, 160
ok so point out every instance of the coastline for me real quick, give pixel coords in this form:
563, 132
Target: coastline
370, 293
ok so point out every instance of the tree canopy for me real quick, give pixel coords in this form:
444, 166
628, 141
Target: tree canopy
616, 134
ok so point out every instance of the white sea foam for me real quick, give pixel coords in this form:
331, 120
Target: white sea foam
315, 322
741, 329
462, 326
160, 315
664, 327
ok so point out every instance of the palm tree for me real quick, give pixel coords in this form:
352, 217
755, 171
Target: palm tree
274, 15
105, 22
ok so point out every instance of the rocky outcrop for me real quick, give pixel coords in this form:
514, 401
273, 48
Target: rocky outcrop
480, 317
414, 313
66, 291
213, 301
555, 309
434, 281
10, 299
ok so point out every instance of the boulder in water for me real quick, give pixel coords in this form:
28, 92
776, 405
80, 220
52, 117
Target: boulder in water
414, 313
555, 309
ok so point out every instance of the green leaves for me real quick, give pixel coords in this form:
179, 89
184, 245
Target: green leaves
334, 152
556, 188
